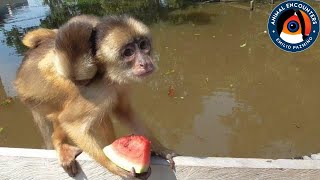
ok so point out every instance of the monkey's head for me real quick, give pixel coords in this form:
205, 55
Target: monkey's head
123, 46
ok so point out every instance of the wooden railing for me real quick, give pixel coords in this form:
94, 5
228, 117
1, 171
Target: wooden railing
21, 164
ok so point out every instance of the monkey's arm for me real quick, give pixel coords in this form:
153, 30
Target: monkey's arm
77, 129
127, 115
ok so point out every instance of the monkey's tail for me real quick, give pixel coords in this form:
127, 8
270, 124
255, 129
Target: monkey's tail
34, 38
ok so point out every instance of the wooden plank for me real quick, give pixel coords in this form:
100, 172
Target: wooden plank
39, 164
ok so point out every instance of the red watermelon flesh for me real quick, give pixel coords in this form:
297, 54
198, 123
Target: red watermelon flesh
130, 151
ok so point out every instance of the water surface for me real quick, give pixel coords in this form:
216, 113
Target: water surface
232, 92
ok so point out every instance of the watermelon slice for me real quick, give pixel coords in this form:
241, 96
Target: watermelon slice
130, 151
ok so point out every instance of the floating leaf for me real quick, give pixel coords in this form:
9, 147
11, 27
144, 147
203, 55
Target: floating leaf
1, 129
197, 34
171, 91
243, 45
6, 101
169, 72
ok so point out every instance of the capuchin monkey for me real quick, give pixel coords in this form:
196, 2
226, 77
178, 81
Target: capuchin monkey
75, 78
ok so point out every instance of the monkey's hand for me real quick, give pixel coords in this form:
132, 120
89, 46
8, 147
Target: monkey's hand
166, 154
67, 155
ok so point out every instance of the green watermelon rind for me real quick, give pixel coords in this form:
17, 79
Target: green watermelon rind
123, 162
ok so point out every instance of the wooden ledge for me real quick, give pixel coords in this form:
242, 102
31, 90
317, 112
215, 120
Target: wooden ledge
18, 163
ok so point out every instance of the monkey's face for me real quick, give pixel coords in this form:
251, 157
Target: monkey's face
125, 47
131, 62
137, 58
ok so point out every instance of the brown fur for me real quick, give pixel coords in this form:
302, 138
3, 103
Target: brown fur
78, 112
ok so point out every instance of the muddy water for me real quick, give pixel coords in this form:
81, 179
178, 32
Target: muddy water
222, 88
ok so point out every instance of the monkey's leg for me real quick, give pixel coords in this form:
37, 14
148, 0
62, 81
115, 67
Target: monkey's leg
67, 153
45, 127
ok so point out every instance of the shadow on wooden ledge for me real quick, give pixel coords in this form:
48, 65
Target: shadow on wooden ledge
159, 172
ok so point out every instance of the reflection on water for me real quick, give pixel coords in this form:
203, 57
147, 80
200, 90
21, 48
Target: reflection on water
209, 123
15, 119
235, 93
17, 16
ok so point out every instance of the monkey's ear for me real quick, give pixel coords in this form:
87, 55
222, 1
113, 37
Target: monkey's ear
34, 38
75, 51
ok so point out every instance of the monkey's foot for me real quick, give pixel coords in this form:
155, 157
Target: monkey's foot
166, 154
142, 176
68, 161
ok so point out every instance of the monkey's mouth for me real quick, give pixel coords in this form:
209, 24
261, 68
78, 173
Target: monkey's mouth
144, 72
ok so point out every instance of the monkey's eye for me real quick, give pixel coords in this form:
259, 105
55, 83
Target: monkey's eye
128, 52
144, 45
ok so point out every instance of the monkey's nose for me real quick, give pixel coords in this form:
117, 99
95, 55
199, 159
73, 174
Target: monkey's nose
142, 65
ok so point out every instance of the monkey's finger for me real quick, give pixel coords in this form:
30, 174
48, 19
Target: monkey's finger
171, 155
172, 164
171, 161
133, 172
